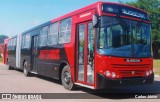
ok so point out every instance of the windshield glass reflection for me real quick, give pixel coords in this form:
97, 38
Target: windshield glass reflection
123, 37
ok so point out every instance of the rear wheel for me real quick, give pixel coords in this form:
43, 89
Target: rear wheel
9, 67
67, 79
25, 69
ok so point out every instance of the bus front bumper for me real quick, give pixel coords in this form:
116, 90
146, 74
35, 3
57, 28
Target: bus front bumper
103, 82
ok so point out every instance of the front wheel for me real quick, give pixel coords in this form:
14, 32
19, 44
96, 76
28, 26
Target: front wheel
25, 69
66, 78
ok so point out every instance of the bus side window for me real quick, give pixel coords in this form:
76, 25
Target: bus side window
14, 43
65, 31
11, 44
22, 46
53, 34
43, 36
27, 41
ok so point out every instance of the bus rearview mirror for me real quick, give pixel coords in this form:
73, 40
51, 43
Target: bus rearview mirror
95, 21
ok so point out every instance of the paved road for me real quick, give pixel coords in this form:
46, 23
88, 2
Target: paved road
13, 81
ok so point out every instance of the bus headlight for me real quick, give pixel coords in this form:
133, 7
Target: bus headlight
150, 72
108, 74
113, 75
147, 73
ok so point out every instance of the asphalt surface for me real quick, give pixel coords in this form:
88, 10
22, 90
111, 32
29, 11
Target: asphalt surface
14, 81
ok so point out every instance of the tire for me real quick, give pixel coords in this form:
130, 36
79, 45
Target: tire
9, 67
25, 69
67, 79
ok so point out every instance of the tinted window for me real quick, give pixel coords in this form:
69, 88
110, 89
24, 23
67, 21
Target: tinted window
14, 44
65, 31
9, 44
27, 41
53, 34
23, 40
43, 36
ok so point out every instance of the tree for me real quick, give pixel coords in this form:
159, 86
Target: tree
152, 7
2, 37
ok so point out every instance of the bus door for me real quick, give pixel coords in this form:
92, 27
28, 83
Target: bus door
34, 53
85, 46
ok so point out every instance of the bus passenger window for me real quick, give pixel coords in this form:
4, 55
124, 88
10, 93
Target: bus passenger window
27, 41
53, 34
14, 44
65, 31
43, 36
9, 44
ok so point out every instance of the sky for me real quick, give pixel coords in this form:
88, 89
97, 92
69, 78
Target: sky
17, 16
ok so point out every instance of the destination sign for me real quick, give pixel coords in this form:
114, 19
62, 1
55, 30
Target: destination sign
133, 13
124, 10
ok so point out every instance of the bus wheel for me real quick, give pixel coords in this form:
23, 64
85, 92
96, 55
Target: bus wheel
66, 78
26, 73
9, 67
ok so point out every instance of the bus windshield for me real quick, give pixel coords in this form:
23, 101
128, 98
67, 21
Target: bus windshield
124, 38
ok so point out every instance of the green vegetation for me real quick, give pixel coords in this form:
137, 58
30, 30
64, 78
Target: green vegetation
1, 60
156, 66
2, 37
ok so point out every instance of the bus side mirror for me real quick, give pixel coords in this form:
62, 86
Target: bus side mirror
95, 21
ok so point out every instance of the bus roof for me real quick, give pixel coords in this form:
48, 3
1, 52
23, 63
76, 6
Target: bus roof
89, 7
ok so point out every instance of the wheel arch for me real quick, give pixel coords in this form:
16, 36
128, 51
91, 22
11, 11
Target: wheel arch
61, 66
23, 63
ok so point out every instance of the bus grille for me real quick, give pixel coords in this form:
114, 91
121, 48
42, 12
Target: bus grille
131, 70
132, 73
128, 66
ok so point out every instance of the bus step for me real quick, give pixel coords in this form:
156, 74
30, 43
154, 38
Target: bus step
34, 72
80, 84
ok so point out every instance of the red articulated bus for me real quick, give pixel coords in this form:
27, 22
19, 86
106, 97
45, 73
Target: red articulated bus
101, 45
